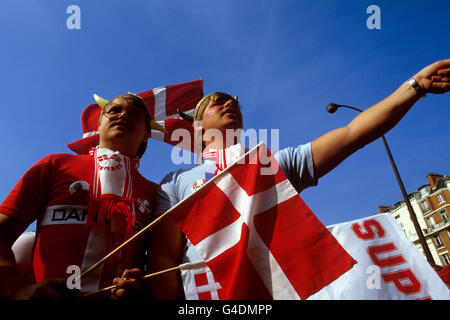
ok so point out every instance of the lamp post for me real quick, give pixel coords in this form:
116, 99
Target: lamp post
332, 108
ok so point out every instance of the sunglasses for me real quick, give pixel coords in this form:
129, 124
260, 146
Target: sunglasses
115, 112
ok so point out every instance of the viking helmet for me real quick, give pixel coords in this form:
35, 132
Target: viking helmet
153, 124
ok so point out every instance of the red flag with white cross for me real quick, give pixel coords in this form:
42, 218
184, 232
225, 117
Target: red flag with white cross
257, 236
162, 104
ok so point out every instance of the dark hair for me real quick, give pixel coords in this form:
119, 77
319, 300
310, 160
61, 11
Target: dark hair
141, 150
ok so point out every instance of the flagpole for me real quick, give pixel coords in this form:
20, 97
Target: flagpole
143, 230
331, 108
184, 266
144, 277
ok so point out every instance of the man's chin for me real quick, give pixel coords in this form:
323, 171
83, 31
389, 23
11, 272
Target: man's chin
234, 124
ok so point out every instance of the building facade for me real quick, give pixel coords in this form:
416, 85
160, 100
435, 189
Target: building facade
431, 205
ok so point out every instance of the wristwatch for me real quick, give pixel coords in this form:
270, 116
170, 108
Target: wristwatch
417, 87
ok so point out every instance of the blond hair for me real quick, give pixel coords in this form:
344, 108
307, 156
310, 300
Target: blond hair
204, 102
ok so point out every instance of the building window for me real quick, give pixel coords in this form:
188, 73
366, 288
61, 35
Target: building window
444, 215
445, 258
398, 221
438, 240
425, 206
423, 192
431, 223
440, 198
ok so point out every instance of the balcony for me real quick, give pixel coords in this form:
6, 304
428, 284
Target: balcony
437, 227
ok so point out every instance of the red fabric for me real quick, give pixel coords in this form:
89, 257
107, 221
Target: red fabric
105, 209
90, 117
109, 205
102, 206
185, 137
59, 245
445, 274
182, 96
120, 175
47, 183
308, 255
83, 145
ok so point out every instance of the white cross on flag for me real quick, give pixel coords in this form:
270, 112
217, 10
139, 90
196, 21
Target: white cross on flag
199, 282
163, 102
256, 234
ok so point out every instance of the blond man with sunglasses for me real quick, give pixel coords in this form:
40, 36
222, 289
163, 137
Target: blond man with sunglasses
303, 165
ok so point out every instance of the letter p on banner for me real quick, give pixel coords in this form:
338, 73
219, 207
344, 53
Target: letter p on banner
405, 281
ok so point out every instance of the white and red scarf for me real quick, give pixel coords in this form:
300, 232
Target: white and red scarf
224, 157
112, 193
111, 214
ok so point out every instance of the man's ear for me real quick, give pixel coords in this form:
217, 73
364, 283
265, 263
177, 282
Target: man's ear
99, 121
147, 135
197, 126
199, 144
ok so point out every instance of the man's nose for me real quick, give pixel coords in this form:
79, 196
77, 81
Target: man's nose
230, 103
126, 113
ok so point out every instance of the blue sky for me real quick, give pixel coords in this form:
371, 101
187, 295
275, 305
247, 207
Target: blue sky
286, 60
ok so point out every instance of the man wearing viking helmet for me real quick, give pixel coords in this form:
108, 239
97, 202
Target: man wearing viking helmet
85, 205
302, 165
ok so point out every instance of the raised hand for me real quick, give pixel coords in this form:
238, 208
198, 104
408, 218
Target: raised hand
435, 78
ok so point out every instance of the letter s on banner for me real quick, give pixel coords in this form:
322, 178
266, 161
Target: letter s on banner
371, 227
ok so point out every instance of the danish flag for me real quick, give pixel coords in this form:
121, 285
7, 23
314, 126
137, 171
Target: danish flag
200, 280
257, 236
162, 104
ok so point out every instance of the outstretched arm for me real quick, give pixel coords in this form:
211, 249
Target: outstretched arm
332, 148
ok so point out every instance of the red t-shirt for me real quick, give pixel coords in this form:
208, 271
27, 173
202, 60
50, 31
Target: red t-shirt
55, 192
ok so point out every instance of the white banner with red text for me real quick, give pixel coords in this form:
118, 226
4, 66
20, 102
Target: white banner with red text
389, 267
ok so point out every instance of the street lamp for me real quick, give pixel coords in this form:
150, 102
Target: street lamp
332, 108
